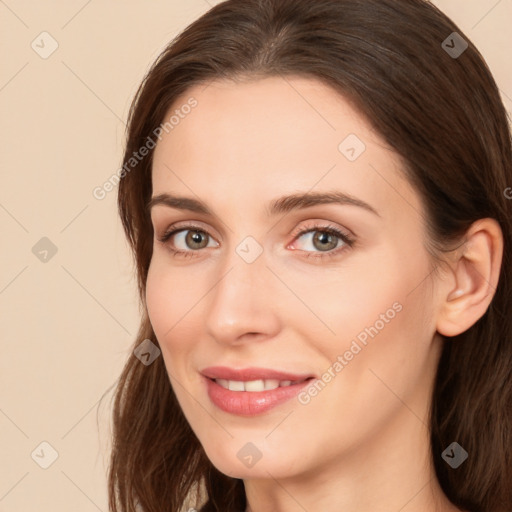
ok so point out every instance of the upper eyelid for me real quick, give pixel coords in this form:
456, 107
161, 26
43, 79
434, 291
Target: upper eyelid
187, 226
190, 225
346, 236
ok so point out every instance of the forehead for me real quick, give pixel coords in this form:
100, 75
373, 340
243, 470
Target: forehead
281, 115
271, 136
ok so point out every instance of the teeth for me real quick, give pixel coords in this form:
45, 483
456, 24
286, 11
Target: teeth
234, 385
223, 382
271, 384
253, 385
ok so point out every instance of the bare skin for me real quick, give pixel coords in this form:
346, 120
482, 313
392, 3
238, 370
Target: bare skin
361, 444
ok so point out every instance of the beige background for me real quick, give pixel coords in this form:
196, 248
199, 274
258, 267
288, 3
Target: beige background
67, 324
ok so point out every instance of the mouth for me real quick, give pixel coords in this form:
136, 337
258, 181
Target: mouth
251, 391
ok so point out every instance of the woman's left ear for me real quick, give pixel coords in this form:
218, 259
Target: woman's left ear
476, 269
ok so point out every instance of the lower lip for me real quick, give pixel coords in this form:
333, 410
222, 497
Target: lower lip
251, 403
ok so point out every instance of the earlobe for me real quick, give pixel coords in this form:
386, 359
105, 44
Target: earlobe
475, 270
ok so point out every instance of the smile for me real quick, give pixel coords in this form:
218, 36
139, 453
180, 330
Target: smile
255, 385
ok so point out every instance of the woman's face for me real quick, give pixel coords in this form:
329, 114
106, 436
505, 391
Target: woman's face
249, 291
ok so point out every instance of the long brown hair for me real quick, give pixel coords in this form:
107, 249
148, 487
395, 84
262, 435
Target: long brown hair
443, 114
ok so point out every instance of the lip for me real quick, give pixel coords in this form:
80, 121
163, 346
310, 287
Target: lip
250, 403
252, 373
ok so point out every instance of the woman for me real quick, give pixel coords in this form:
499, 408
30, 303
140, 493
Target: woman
316, 198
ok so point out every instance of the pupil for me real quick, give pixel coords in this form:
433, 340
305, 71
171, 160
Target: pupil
324, 239
195, 239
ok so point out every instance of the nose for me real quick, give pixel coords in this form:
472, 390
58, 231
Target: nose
242, 303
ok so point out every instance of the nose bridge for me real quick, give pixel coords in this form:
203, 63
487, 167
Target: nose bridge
240, 300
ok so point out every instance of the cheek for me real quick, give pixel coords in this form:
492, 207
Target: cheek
170, 304
158, 298
169, 292
365, 291
384, 338
378, 312
173, 299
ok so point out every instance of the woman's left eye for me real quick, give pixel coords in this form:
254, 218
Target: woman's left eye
325, 240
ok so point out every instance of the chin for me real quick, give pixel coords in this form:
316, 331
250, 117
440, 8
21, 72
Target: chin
244, 463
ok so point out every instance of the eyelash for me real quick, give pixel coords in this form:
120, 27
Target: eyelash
347, 239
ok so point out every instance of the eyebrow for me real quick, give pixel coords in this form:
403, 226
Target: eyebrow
280, 205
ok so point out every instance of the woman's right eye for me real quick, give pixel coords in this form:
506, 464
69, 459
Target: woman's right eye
187, 240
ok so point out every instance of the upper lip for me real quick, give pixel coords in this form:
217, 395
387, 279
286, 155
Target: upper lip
252, 373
